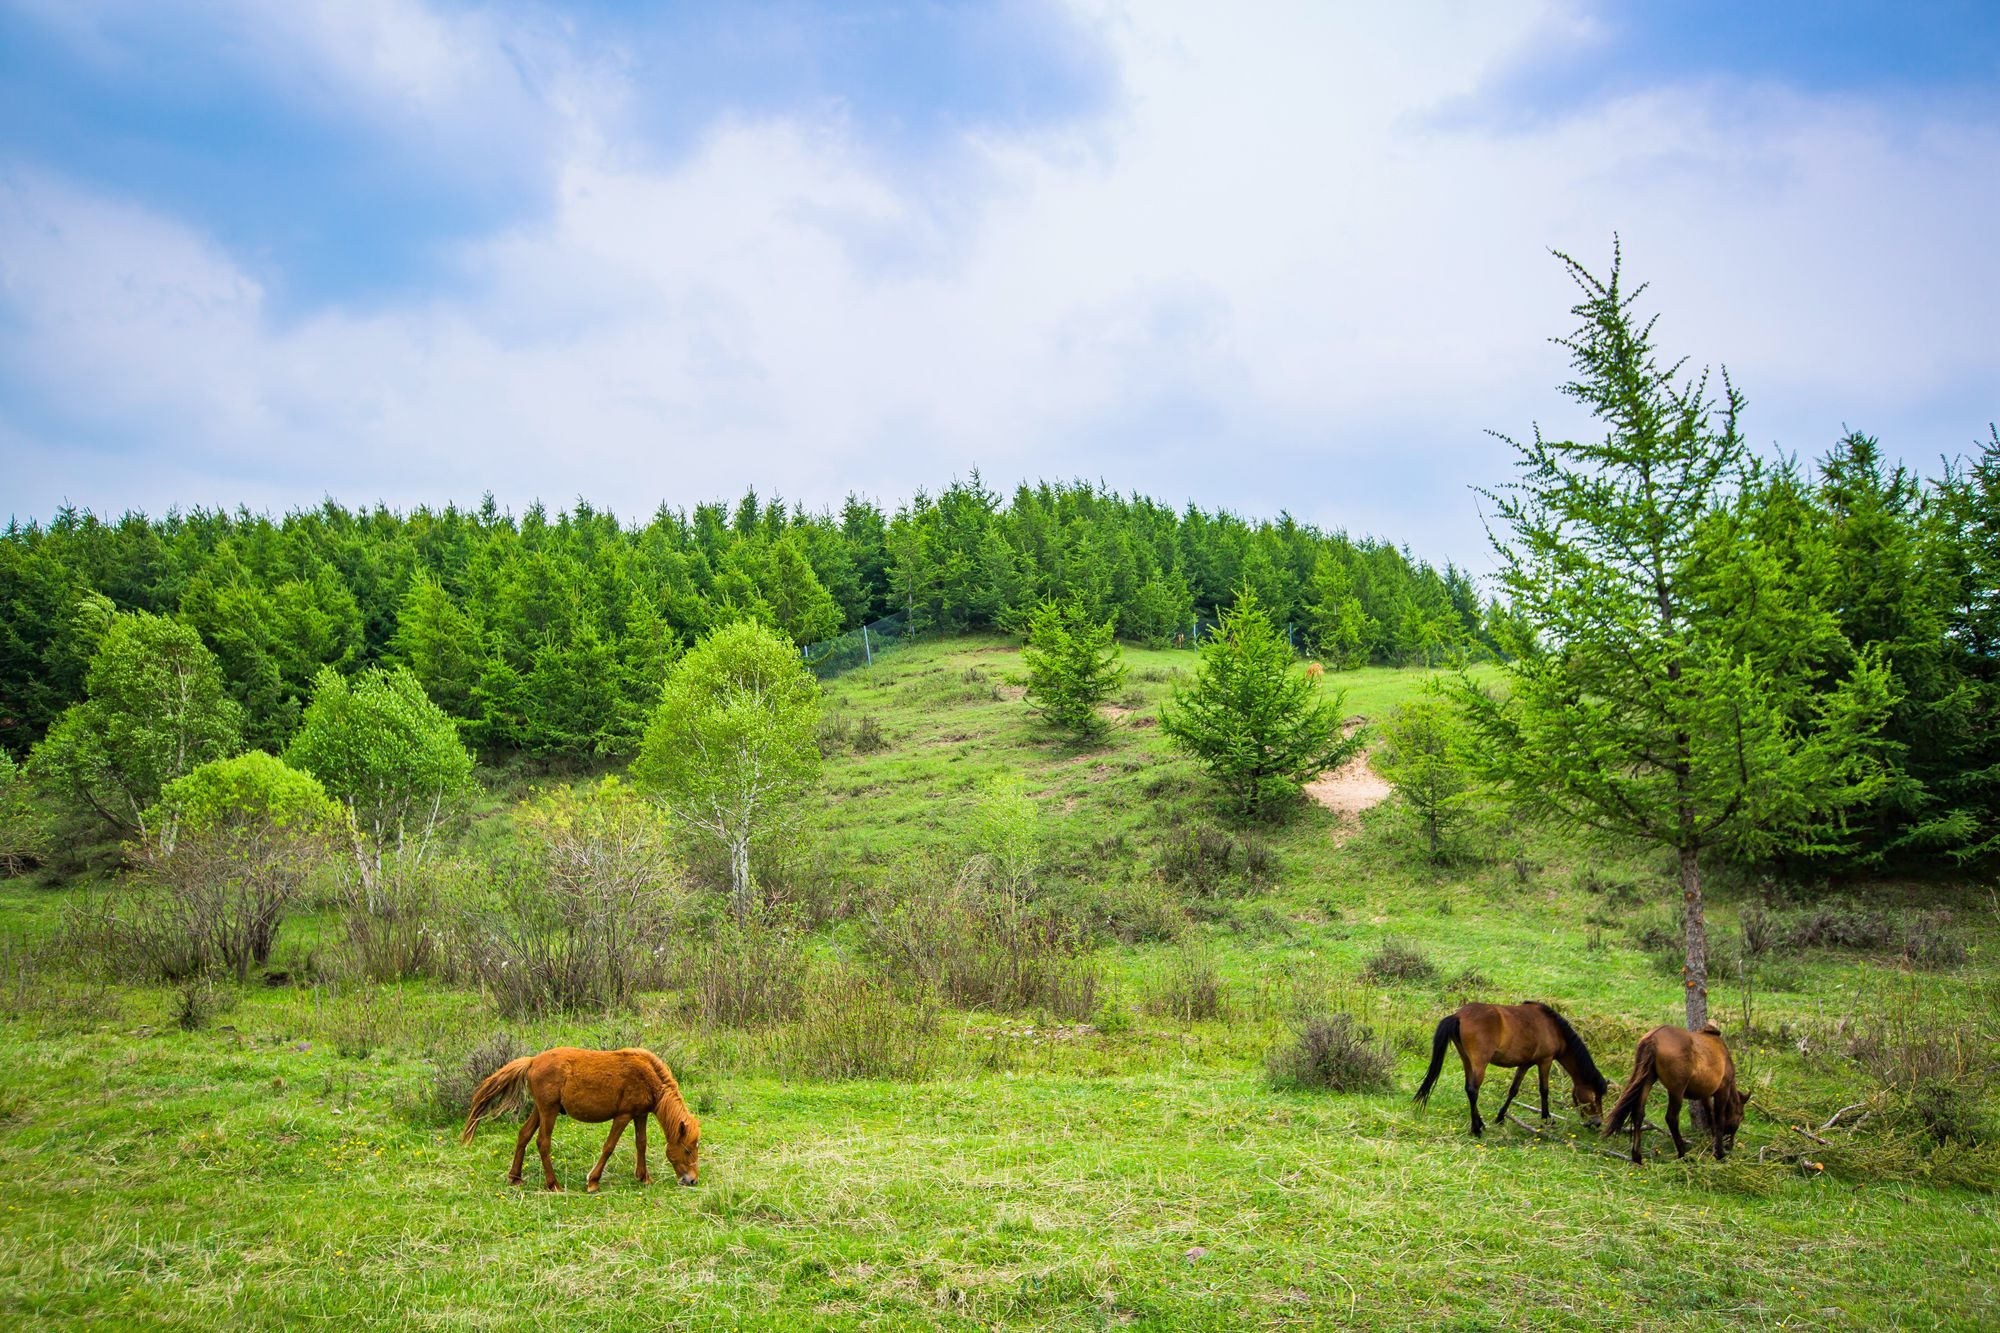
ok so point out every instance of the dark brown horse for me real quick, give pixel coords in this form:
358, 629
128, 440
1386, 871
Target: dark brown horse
1514, 1036
1687, 1064
623, 1087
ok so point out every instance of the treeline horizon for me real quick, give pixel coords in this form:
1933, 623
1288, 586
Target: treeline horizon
548, 632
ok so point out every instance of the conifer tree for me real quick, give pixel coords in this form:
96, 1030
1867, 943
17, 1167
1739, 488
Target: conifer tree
1257, 723
1658, 699
1073, 666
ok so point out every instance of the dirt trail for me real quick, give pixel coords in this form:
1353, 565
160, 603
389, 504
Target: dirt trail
1350, 789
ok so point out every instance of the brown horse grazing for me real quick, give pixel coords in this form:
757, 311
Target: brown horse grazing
1514, 1036
1687, 1064
593, 1086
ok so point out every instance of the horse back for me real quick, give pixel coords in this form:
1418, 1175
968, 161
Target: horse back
1510, 1034
598, 1085
1695, 1064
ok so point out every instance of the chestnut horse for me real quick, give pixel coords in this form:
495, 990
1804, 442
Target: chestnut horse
1687, 1064
623, 1087
1514, 1036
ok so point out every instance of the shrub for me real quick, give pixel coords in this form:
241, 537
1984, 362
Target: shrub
978, 947
746, 975
834, 734
1190, 989
23, 831
584, 912
228, 848
1929, 941
854, 1027
457, 1072
1198, 859
1395, 961
197, 1002
1331, 1052
396, 929
869, 736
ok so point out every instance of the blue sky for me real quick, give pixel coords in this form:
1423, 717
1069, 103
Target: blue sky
1261, 257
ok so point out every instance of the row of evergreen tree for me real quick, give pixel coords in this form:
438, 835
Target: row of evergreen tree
550, 633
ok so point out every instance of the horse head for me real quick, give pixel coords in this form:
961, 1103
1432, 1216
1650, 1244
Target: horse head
1729, 1105
683, 1134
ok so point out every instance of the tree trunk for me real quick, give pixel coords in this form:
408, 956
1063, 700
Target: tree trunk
739, 879
1695, 974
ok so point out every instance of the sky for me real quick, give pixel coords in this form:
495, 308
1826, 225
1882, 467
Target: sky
1266, 257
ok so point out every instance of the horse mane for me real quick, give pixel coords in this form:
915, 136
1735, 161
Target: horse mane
1586, 1068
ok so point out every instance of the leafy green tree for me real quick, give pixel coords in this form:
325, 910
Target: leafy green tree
234, 842
1660, 700
379, 746
1424, 758
732, 748
156, 708
23, 837
1073, 666
1258, 723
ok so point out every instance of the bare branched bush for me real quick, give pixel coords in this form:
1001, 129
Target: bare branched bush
979, 946
456, 1073
1333, 1052
869, 736
396, 921
582, 917
1190, 989
854, 1026
1396, 960
745, 975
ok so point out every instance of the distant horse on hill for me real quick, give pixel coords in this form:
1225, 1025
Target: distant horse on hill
623, 1087
1687, 1064
1514, 1036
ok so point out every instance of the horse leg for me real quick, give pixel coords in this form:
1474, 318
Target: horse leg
543, 1137
1674, 1122
1639, 1128
1512, 1088
1475, 1074
610, 1142
1715, 1126
639, 1128
1542, 1073
521, 1145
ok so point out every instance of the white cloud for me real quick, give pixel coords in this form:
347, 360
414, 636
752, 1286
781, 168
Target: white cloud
1271, 276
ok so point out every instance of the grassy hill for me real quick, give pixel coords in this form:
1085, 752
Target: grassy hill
1123, 1163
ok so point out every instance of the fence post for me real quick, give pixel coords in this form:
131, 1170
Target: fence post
867, 651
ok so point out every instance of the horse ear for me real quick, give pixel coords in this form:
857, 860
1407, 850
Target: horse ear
681, 1129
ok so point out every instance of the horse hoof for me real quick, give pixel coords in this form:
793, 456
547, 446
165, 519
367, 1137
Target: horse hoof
645, 1180
590, 1188
553, 1189
513, 1180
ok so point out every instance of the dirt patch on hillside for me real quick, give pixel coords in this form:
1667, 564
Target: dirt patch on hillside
1350, 789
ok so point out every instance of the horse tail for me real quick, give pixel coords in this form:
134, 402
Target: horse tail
500, 1092
1447, 1029
1631, 1103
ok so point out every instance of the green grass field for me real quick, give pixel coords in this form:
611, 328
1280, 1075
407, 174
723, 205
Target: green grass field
286, 1165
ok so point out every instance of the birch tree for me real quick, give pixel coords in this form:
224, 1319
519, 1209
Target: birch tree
381, 748
731, 748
